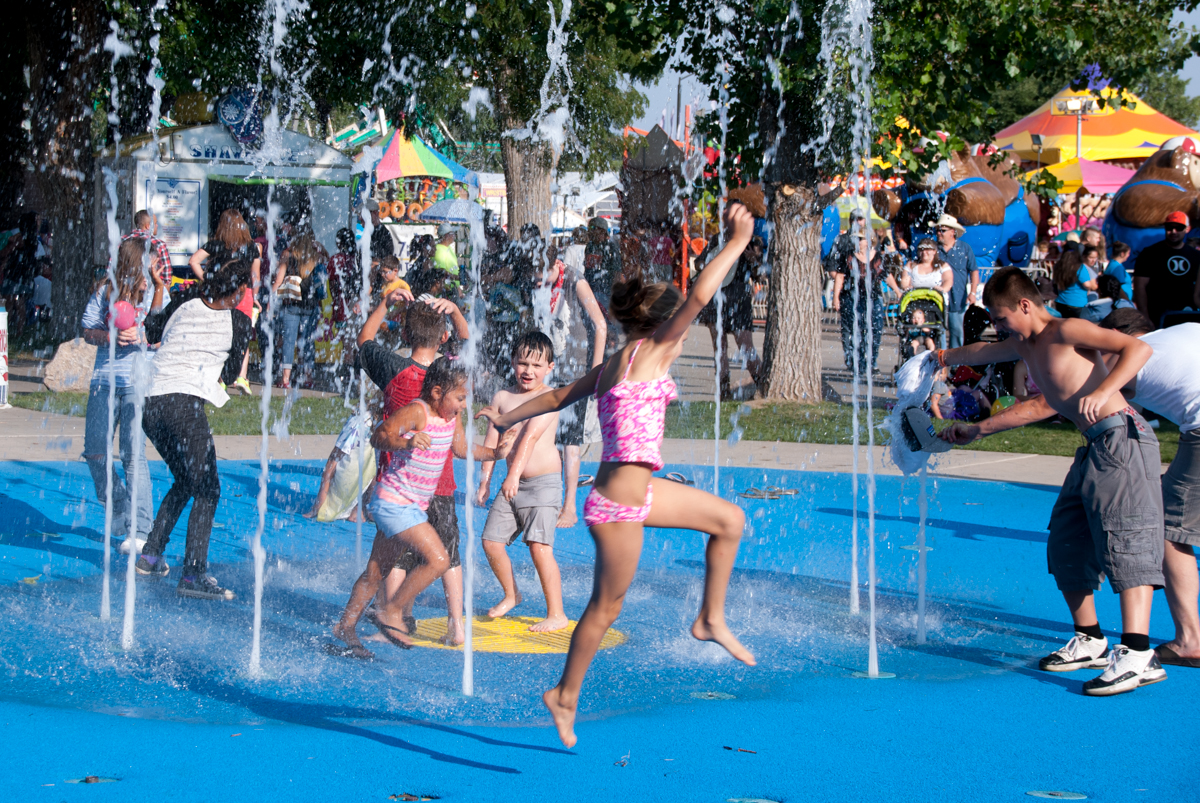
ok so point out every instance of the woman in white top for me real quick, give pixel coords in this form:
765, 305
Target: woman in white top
927, 271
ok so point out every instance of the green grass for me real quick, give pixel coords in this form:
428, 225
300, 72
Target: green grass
831, 423
763, 421
310, 415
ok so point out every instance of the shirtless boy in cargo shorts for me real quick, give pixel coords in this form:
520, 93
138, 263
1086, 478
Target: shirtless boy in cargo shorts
531, 497
1108, 520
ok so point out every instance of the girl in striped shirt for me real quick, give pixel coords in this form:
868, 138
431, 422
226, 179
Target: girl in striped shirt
418, 435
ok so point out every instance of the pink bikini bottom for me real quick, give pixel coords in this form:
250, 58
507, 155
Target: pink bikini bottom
599, 509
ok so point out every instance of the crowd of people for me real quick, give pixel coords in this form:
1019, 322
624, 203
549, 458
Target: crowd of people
164, 355
1082, 276
568, 379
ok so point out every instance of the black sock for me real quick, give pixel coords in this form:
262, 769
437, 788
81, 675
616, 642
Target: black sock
1092, 631
1139, 642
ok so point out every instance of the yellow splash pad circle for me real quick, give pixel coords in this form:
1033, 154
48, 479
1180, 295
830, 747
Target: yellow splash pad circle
508, 634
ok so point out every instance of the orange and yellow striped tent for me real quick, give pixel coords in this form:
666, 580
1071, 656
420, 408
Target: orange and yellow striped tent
1133, 131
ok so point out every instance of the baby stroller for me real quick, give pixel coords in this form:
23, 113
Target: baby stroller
933, 306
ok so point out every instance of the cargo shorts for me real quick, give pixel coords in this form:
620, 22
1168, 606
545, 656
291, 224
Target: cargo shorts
1108, 520
1181, 492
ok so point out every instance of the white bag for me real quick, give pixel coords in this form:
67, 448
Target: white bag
71, 368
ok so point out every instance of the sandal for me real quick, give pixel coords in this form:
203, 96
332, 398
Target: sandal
775, 489
758, 493
371, 614
586, 479
349, 651
675, 476
383, 631
1168, 656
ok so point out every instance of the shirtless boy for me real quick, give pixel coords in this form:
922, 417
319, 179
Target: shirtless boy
532, 494
1108, 520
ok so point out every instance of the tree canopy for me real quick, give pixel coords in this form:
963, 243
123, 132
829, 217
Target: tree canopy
934, 65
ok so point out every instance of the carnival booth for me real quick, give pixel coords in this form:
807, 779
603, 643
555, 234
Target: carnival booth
189, 175
1070, 121
407, 179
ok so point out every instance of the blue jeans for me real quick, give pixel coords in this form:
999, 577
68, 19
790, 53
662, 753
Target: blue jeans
94, 435
299, 324
865, 345
954, 322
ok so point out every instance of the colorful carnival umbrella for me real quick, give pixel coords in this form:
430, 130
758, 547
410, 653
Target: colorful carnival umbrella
403, 158
1108, 133
1097, 178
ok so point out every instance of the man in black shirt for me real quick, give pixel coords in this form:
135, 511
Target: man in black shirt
382, 244
1165, 273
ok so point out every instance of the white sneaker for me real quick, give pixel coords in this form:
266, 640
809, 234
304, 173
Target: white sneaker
135, 543
1080, 652
1127, 669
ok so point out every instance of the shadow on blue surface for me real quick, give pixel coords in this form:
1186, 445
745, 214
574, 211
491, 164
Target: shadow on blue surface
967, 718
325, 717
959, 529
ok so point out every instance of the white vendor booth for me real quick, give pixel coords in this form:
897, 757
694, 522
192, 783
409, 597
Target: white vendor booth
197, 172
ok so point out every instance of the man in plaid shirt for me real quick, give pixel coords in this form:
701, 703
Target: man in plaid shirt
144, 226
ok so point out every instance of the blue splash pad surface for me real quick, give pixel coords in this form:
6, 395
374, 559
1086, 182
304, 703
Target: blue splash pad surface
966, 718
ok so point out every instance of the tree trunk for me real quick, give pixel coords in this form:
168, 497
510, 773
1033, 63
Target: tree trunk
68, 34
527, 168
792, 352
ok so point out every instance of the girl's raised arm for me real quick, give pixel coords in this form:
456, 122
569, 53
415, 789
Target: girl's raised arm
739, 219
552, 402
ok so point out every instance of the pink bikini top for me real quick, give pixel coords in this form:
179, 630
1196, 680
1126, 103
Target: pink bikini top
633, 417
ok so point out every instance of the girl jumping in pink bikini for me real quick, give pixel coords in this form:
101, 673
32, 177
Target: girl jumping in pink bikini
632, 391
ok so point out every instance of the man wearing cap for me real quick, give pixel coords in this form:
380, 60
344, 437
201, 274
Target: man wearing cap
961, 259
445, 258
1164, 276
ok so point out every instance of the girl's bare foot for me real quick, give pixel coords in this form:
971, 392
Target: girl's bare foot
504, 606
563, 714
455, 633
706, 630
549, 624
567, 518
310, 514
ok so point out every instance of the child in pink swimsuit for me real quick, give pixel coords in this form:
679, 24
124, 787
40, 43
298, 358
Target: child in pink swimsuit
418, 436
632, 392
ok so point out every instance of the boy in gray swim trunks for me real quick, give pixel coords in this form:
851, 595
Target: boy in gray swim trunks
531, 497
1108, 519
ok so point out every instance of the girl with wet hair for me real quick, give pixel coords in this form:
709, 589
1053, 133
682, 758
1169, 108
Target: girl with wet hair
418, 439
633, 389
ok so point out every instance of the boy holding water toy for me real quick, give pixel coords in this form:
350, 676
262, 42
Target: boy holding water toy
400, 378
531, 497
420, 437
1108, 520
